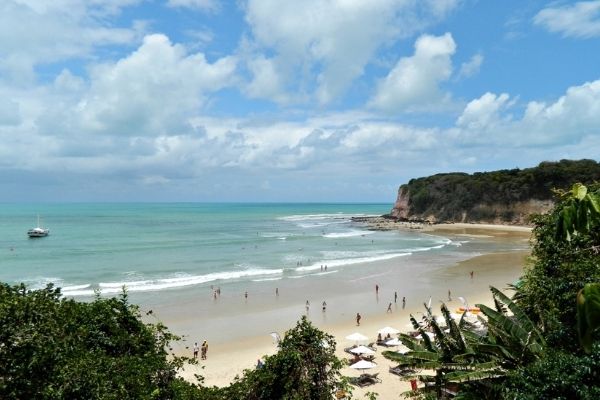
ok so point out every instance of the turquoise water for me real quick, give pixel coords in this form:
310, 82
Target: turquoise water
168, 247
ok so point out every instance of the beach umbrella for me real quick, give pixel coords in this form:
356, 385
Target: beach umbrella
403, 349
393, 342
388, 330
362, 350
431, 336
363, 364
357, 337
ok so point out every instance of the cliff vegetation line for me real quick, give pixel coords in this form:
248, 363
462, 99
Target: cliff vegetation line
507, 196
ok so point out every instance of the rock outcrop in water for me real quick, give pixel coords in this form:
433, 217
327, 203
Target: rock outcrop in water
499, 197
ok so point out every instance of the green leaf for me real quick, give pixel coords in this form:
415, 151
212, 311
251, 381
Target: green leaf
588, 314
579, 191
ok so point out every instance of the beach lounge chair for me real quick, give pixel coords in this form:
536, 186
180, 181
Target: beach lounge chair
367, 357
401, 371
347, 349
368, 380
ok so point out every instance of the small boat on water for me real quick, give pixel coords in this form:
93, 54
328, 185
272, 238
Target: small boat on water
38, 231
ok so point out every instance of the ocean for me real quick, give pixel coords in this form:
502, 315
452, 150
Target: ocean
171, 257
169, 246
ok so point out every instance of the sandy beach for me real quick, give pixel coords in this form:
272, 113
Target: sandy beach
238, 346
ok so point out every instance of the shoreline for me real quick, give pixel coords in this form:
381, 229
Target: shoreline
229, 357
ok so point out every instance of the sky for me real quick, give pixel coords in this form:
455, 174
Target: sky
287, 100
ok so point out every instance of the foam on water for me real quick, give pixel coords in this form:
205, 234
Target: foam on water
336, 235
351, 261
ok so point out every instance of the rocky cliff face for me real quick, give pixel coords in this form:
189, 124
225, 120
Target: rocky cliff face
516, 213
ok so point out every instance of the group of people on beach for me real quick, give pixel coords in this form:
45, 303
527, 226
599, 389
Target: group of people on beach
324, 305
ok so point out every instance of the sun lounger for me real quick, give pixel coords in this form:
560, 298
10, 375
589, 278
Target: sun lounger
401, 371
364, 380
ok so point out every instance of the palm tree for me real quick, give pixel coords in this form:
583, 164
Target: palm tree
462, 352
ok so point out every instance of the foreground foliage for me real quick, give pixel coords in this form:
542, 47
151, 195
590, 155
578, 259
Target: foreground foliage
305, 367
56, 348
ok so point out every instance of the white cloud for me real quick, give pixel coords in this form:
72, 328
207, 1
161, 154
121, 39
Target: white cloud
153, 91
568, 120
9, 112
322, 46
34, 32
571, 119
470, 67
414, 82
267, 82
580, 20
204, 5
484, 112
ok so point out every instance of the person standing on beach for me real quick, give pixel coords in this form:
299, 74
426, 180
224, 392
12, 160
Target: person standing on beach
395, 297
246, 295
403, 302
376, 288
358, 317
389, 309
204, 350
449, 295
196, 350
324, 306
276, 291
307, 305
471, 274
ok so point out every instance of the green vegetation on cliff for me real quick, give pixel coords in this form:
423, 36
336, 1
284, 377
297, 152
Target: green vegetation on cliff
492, 196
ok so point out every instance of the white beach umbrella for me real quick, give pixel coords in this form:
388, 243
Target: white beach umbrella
393, 342
455, 316
362, 350
357, 337
431, 336
388, 330
363, 364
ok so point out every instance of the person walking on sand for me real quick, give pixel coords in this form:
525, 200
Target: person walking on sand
204, 350
389, 309
358, 317
196, 350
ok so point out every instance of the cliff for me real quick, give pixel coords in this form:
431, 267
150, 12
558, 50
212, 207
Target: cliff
499, 197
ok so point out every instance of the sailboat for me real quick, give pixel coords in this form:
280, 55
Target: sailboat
38, 231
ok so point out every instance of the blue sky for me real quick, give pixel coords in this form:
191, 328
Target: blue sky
276, 100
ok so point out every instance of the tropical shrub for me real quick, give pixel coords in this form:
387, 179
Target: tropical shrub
57, 348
